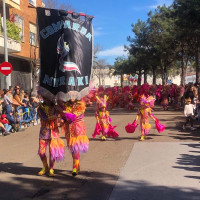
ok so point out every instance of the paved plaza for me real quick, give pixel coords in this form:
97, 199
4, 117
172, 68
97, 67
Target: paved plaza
166, 166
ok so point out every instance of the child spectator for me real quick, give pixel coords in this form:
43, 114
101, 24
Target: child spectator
34, 104
5, 122
27, 115
189, 113
3, 130
26, 101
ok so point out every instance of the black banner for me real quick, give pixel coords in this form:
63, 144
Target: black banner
66, 44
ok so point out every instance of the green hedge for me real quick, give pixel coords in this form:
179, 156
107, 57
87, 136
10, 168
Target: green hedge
13, 31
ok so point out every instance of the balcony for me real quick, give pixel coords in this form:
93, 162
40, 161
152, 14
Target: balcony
12, 45
13, 3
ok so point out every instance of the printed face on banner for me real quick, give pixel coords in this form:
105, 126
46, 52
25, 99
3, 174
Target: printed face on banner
65, 53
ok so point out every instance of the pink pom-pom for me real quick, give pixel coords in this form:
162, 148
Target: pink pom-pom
130, 128
160, 127
70, 116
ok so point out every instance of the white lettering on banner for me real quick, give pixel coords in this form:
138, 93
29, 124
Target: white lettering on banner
55, 27
59, 81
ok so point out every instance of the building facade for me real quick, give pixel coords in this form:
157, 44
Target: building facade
23, 53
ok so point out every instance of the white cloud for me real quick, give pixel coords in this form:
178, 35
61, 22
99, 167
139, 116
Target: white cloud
98, 31
138, 8
99, 28
115, 51
161, 3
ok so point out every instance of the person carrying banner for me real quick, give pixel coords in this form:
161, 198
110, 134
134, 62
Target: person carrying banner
73, 126
65, 75
103, 124
49, 135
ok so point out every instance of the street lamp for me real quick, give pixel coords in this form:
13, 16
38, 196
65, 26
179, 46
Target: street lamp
8, 77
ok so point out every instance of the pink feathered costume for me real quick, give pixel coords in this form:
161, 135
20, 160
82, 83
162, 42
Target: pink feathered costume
103, 124
144, 112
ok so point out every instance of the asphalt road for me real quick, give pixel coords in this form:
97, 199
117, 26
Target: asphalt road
101, 167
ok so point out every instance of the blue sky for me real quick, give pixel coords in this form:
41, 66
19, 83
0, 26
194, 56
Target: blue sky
112, 21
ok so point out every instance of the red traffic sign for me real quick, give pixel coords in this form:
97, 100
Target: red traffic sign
6, 68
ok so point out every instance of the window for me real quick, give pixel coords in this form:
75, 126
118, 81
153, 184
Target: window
19, 21
33, 34
32, 2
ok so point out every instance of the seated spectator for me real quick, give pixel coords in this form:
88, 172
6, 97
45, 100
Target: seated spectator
8, 110
5, 122
3, 130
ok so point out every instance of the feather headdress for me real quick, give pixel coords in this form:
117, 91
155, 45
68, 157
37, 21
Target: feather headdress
102, 102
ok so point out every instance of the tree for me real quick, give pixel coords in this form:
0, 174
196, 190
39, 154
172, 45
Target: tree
141, 51
121, 67
161, 37
188, 18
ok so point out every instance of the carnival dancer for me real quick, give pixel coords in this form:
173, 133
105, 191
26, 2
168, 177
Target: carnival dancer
75, 131
49, 135
103, 124
144, 112
165, 97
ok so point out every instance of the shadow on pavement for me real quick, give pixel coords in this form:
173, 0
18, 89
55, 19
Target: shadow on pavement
23, 183
190, 162
186, 135
89, 185
141, 190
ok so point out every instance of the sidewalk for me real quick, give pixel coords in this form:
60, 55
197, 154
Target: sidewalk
160, 171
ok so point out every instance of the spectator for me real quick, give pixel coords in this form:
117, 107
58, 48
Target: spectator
8, 110
7, 102
5, 122
26, 101
11, 92
16, 96
2, 129
191, 93
27, 116
26, 93
34, 103
1, 101
189, 113
21, 94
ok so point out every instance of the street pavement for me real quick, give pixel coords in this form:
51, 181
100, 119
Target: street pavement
165, 166
160, 171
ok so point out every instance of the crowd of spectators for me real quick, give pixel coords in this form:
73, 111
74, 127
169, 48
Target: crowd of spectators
17, 109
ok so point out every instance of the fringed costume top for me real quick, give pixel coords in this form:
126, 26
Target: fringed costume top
74, 126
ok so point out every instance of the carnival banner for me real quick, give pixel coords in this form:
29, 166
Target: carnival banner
66, 43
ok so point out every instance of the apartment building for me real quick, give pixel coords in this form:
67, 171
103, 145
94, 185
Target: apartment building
25, 51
